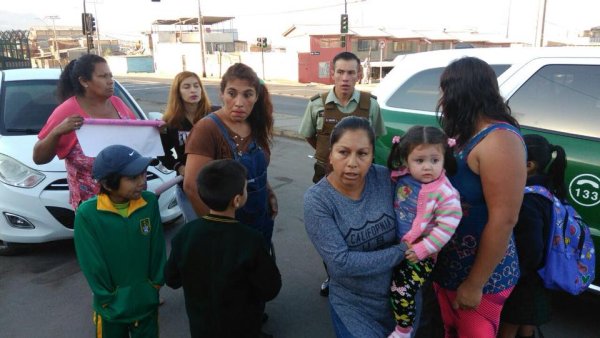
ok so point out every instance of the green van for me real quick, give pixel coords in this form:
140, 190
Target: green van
554, 92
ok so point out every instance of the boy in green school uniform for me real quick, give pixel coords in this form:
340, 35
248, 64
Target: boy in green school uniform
121, 247
225, 270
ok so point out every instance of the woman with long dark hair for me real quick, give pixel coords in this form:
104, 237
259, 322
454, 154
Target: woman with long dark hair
86, 90
478, 268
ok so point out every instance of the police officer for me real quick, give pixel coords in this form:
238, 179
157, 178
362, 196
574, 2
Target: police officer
325, 110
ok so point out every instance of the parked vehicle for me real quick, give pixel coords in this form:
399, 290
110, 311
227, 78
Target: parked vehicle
554, 92
34, 199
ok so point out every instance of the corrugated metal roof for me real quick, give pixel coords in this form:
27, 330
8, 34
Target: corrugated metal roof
206, 20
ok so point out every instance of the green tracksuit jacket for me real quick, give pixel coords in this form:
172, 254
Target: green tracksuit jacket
122, 258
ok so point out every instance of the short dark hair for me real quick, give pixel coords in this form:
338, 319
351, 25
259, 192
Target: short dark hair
348, 57
352, 123
112, 181
219, 182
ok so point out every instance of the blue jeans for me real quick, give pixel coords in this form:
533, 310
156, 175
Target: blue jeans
338, 327
184, 204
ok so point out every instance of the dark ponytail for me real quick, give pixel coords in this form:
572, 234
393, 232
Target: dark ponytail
556, 172
68, 83
540, 151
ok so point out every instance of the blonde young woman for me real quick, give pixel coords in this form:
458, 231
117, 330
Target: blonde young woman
187, 103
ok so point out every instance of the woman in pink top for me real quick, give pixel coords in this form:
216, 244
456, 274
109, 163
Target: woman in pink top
86, 89
427, 209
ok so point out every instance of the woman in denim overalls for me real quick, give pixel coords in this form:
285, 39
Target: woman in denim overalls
242, 130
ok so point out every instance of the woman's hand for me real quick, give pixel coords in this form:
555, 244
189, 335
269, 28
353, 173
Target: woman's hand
273, 204
468, 296
181, 170
412, 256
68, 125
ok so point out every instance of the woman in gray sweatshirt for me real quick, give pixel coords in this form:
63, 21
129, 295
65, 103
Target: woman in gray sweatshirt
349, 219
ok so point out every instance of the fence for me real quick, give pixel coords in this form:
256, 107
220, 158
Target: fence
14, 49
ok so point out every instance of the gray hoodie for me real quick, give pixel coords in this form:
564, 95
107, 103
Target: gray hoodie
357, 240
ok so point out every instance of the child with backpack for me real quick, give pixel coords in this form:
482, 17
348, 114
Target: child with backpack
121, 247
224, 267
427, 211
528, 306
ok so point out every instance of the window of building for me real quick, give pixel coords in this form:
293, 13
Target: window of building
365, 45
564, 98
324, 69
405, 47
330, 43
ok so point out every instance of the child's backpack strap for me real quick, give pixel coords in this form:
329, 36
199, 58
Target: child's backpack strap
570, 261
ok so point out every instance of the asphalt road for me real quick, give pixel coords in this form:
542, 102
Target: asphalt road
286, 98
44, 294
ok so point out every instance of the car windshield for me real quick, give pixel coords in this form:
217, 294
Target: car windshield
26, 105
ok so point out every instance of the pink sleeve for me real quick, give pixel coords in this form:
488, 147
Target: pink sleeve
447, 216
60, 113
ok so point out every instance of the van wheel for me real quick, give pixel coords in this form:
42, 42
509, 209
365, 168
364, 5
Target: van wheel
9, 249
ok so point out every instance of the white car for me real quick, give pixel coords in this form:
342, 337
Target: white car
34, 199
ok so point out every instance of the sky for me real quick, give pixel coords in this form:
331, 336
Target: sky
270, 18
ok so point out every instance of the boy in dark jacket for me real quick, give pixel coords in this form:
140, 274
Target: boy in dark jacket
225, 270
121, 247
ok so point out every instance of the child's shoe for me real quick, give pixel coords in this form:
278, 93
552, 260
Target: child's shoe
400, 332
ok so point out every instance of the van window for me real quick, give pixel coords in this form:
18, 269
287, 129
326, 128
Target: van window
564, 98
422, 90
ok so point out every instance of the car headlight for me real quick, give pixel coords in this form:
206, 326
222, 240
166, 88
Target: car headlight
160, 167
15, 173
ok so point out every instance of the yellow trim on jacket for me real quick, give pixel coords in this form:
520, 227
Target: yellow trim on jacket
105, 204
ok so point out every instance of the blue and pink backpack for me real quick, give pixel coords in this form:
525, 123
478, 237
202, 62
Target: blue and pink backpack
570, 255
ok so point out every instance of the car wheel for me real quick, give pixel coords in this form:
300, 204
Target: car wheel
10, 249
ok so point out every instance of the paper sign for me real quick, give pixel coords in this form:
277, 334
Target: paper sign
141, 135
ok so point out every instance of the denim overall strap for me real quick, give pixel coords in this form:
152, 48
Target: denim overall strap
255, 213
232, 145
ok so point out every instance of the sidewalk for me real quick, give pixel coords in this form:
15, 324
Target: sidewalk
285, 125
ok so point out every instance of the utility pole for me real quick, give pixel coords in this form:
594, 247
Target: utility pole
84, 24
201, 30
543, 24
54, 44
97, 29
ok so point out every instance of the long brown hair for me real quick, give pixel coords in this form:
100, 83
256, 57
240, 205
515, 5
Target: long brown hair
175, 112
261, 117
470, 92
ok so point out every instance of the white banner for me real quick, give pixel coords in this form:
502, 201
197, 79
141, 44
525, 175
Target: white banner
141, 135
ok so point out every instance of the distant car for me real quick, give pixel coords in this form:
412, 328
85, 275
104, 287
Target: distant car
554, 92
34, 199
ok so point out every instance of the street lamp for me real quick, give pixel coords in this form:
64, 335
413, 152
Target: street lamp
54, 17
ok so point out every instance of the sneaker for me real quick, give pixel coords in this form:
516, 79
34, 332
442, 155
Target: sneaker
325, 288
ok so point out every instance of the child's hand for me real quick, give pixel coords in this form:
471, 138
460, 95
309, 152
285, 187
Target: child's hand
411, 256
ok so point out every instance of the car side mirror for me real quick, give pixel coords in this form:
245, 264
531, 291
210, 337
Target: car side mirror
155, 115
